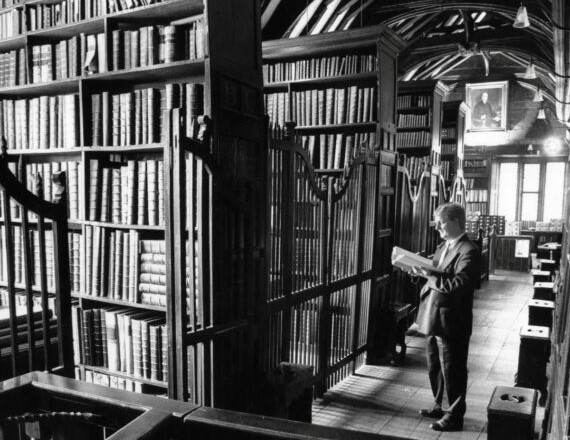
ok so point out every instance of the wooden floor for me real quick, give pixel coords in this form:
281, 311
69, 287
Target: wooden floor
386, 400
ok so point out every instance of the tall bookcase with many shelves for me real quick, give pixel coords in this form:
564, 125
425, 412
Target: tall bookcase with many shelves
335, 88
452, 149
418, 140
477, 172
86, 87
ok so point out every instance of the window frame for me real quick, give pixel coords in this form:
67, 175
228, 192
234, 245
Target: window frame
522, 161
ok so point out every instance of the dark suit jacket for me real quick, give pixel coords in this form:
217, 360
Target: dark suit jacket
448, 310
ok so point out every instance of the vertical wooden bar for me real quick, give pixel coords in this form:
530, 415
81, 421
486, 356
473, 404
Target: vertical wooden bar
28, 268
44, 291
172, 245
62, 279
9, 240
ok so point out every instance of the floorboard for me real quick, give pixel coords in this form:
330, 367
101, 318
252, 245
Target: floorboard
386, 399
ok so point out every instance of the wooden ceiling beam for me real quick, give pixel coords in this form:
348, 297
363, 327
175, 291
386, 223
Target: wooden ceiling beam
561, 18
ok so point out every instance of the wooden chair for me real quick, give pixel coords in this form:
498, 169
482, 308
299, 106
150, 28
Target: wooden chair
35, 320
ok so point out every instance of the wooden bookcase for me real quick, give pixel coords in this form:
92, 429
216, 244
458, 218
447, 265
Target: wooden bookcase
354, 72
418, 141
452, 149
337, 88
88, 89
477, 171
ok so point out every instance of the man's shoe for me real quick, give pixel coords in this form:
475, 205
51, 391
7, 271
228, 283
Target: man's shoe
447, 423
434, 413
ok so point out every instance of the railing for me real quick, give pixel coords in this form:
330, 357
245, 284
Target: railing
320, 262
35, 319
43, 406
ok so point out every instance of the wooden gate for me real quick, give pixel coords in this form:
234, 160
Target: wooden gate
35, 302
320, 263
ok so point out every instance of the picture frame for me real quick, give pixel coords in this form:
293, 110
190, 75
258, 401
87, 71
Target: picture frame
488, 106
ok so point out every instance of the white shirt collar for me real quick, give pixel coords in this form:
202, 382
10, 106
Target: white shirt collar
451, 243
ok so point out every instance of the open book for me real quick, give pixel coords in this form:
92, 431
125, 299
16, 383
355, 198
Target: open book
405, 260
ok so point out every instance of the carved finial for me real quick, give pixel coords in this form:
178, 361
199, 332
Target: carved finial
205, 130
60, 193
289, 130
4, 148
38, 185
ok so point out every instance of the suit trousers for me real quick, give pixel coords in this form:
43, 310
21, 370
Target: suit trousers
447, 369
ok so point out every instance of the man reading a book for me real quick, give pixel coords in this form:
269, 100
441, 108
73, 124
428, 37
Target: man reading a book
445, 315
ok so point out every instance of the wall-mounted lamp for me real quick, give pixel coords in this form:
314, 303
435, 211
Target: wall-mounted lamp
552, 145
530, 72
521, 20
538, 96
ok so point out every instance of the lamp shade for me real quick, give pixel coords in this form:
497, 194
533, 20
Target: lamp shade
538, 96
541, 113
530, 72
521, 20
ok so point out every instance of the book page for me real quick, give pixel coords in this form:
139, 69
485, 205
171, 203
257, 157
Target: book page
406, 260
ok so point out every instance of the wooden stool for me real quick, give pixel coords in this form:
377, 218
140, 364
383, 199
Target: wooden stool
544, 290
540, 275
534, 353
548, 265
540, 312
510, 413
401, 313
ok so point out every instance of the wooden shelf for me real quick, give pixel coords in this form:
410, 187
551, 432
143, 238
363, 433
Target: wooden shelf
132, 377
117, 302
417, 109
47, 152
121, 226
361, 79
12, 43
142, 148
415, 128
416, 151
358, 127
59, 87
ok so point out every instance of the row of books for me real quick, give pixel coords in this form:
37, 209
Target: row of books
477, 195
415, 165
122, 340
135, 118
448, 148
75, 261
152, 281
46, 170
130, 193
151, 45
414, 119
43, 16
9, 3
12, 67
42, 122
332, 106
409, 139
335, 151
475, 163
120, 383
10, 23
18, 257
112, 263
319, 67
449, 133
21, 299
413, 100
61, 60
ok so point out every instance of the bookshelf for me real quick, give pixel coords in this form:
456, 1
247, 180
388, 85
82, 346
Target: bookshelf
337, 88
477, 174
86, 88
452, 149
418, 140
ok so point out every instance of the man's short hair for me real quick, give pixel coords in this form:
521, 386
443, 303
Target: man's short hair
452, 211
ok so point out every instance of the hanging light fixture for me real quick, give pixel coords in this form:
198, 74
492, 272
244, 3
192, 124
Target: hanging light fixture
538, 96
530, 72
521, 20
541, 112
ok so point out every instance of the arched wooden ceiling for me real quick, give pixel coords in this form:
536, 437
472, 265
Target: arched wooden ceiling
448, 40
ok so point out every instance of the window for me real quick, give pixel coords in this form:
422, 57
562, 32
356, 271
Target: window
531, 190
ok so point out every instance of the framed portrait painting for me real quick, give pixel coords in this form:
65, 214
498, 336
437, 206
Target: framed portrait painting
488, 104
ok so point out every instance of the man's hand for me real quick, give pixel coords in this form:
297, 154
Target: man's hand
426, 274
